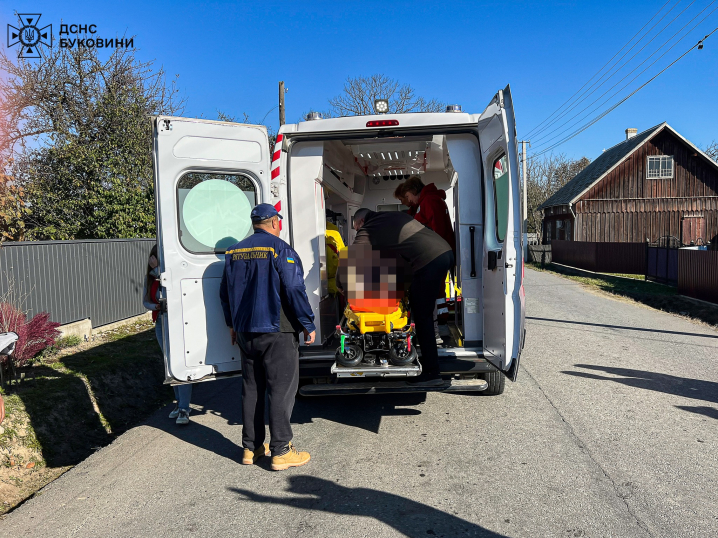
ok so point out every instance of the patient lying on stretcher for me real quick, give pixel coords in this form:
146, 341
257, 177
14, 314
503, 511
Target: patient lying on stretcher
376, 318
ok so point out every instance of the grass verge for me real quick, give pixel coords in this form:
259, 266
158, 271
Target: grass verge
75, 398
637, 288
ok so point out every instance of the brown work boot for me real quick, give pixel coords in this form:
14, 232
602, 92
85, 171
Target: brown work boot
250, 457
292, 458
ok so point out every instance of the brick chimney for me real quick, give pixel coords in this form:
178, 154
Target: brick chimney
631, 132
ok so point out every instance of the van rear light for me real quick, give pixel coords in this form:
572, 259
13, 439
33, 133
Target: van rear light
382, 123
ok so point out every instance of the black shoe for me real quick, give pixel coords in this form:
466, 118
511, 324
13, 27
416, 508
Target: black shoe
431, 380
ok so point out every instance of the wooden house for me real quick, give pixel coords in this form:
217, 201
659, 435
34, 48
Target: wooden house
655, 186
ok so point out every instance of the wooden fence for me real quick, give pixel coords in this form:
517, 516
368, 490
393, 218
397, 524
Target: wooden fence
662, 265
698, 274
629, 258
695, 272
539, 254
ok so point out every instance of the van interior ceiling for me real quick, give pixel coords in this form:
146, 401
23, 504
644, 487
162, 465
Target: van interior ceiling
349, 174
365, 172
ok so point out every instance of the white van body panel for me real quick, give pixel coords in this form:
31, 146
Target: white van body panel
503, 312
307, 222
315, 163
196, 338
358, 123
466, 159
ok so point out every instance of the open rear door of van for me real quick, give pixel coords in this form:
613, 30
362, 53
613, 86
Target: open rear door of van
208, 177
503, 304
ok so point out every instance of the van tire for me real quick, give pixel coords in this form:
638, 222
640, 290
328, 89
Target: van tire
496, 381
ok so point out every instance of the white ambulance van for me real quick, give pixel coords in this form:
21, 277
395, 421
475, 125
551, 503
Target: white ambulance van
209, 174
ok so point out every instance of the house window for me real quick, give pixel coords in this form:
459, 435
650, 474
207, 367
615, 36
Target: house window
660, 167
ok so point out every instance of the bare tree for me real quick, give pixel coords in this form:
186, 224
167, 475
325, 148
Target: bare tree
359, 94
545, 176
271, 133
712, 150
222, 116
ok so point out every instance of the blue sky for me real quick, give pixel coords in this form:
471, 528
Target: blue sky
231, 55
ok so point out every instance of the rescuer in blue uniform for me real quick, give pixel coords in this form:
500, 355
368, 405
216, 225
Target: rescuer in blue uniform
266, 307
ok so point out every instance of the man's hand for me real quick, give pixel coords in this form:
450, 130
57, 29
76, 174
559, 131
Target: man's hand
2, 409
233, 336
309, 337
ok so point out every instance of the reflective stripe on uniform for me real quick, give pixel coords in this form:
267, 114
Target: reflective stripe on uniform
252, 249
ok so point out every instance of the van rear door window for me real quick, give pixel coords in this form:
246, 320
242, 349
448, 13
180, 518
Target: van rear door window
501, 196
214, 210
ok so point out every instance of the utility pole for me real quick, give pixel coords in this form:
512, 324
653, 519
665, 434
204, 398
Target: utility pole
281, 103
526, 219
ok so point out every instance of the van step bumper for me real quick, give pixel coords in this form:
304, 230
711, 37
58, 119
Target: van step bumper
389, 387
374, 370
319, 362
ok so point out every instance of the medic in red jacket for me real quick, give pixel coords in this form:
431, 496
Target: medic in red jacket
426, 204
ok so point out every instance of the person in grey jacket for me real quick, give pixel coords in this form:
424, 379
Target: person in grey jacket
151, 301
429, 256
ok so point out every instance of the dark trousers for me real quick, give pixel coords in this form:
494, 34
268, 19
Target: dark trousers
270, 365
427, 284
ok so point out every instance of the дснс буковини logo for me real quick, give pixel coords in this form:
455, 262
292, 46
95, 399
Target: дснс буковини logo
29, 35
31, 38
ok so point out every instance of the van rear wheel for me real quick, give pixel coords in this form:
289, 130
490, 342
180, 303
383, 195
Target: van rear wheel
496, 381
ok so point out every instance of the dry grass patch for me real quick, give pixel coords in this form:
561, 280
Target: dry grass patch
73, 400
640, 290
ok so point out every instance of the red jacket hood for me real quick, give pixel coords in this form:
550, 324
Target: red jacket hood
431, 190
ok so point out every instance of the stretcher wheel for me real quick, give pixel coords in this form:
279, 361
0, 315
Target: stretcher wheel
352, 355
400, 356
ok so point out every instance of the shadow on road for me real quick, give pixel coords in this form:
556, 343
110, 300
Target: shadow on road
640, 329
223, 399
408, 517
81, 401
696, 389
711, 412
363, 412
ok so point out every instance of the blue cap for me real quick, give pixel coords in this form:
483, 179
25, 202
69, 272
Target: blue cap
263, 212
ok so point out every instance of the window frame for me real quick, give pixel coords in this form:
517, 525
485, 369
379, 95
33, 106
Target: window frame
499, 156
246, 173
661, 159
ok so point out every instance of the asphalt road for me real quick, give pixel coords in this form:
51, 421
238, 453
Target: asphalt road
609, 431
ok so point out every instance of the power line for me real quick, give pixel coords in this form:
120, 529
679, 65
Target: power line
627, 75
576, 133
626, 85
608, 62
619, 69
267, 114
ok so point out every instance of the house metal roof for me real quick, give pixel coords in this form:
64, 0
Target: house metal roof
593, 173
